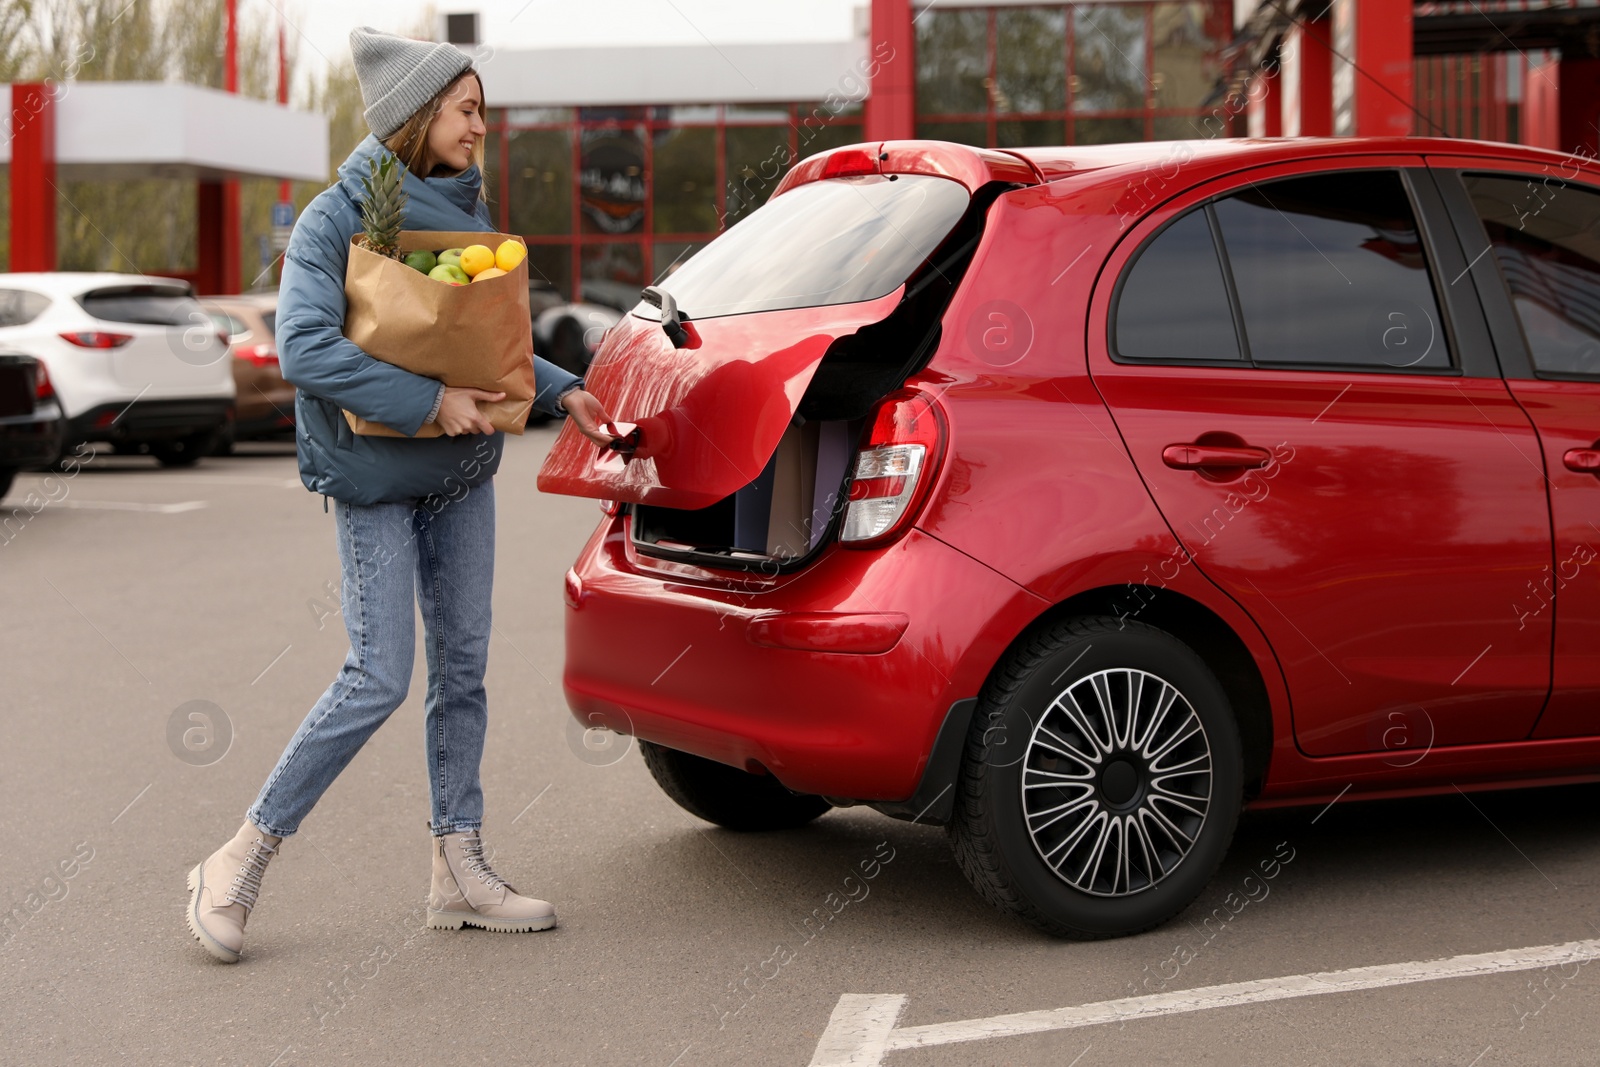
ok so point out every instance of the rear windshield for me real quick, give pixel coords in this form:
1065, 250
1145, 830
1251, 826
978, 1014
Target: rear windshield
270, 319
837, 241
147, 304
18, 307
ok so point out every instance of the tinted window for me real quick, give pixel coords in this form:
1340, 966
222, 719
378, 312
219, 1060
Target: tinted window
149, 305
1330, 270
269, 319
1174, 304
1546, 239
228, 324
837, 241
19, 307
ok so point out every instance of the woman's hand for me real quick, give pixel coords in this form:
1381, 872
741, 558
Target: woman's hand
589, 414
458, 412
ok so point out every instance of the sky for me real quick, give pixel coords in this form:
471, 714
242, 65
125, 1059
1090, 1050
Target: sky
323, 26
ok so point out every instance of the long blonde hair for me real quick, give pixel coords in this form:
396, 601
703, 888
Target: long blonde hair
410, 142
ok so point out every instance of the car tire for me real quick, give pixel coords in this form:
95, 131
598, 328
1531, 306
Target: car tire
7, 475
185, 451
727, 796
567, 349
1167, 776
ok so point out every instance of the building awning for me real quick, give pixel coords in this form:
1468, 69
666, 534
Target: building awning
802, 71
1570, 30
127, 130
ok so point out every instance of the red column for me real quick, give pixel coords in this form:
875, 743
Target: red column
217, 250
1372, 94
1579, 104
1308, 80
1265, 108
891, 108
1541, 106
33, 176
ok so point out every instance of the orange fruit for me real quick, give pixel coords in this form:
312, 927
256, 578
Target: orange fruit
488, 272
475, 258
509, 254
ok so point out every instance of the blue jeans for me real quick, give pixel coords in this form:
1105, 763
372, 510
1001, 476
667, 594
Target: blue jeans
442, 552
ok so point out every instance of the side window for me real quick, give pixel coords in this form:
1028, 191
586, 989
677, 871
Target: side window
1330, 271
1174, 303
18, 307
1546, 240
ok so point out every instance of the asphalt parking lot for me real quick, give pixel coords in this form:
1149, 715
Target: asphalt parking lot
134, 592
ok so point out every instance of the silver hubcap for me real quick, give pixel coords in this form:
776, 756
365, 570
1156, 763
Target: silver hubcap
1116, 782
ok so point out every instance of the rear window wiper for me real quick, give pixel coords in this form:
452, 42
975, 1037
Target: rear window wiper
671, 319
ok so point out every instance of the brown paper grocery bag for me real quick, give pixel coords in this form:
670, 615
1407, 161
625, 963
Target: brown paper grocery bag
477, 335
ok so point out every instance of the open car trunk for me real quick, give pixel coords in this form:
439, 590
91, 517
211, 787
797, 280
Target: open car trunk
795, 323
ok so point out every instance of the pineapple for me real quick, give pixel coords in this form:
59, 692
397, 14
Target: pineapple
382, 210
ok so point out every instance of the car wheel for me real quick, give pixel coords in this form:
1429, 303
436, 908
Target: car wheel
567, 349
727, 796
7, 475
185, 451
1101, 782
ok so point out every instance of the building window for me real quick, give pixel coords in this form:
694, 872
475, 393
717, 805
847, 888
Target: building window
611, 199
1009, 77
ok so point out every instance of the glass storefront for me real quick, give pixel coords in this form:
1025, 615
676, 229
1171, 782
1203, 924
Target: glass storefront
1009, 77
611, 199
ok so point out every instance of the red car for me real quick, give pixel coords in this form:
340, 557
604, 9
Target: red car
1077, 498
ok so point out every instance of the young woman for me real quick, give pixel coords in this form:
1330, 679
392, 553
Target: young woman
415, 518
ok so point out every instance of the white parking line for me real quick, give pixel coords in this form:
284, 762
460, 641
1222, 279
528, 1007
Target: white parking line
130, 505
862, 1028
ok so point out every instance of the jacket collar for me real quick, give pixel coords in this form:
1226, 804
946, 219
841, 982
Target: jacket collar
442, 203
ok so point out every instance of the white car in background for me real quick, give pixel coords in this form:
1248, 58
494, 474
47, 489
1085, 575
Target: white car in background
135, 360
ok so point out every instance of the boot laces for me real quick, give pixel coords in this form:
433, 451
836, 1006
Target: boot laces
478, 865
246, 885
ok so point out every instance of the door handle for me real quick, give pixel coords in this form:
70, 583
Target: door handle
1583, 460
1214, 457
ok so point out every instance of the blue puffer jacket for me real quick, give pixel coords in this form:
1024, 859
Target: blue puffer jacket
330, 372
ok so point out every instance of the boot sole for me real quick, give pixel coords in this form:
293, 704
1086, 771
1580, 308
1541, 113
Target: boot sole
192, 914
455, 920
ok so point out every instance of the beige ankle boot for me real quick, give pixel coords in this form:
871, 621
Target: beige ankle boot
467, 892
223, 889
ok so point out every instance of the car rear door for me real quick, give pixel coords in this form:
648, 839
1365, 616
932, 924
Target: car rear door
1533, 235
1319, 417
162, 340
762, 305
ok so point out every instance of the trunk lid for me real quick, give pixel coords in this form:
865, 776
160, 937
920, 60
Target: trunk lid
762, 305
710, 415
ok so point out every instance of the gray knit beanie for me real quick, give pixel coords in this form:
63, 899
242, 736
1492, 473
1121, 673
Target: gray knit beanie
399, 76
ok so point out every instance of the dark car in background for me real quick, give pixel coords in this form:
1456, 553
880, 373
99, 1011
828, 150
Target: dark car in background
31, 424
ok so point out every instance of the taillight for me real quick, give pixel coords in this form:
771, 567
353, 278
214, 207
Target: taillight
849, 162
896, 466
260, 355
97, 339
42, 389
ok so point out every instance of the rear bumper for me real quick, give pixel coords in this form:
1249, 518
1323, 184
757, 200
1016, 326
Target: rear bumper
150, 420
732, 668
33, 439
265, 402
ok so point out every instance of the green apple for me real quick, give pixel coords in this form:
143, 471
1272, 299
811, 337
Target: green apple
422, 260
446, 272
451, 256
